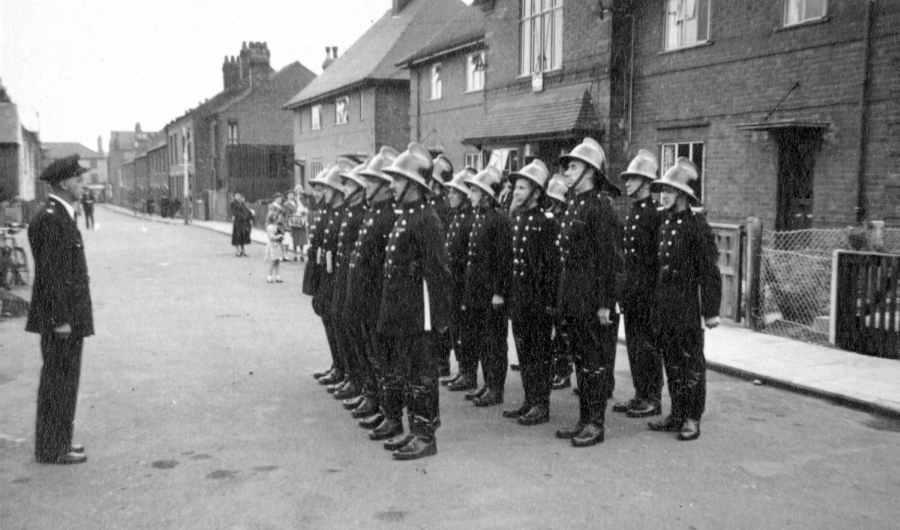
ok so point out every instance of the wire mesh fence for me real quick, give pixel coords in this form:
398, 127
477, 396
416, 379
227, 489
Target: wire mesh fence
795, 278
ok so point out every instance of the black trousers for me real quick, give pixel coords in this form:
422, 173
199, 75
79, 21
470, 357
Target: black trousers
350, 349
643, 357
562, 359
412, 379
373, 360
57, 395
333, 346
461, 332
443, 343
532, 335
89, 217
486, 338
593, 349
682, 353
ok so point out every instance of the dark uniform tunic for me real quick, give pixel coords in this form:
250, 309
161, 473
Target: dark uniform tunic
457, 245
587, 240
329, 225
488, 273
311, 271
641, 270
60, 295
415, 304
364, 286
535, 273
689, 290
349, 343
443, 342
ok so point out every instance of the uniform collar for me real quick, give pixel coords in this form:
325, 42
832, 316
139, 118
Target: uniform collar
643, 203
69, 208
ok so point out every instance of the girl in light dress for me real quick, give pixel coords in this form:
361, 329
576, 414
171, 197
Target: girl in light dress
275, 248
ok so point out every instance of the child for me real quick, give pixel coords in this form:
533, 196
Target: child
274, 250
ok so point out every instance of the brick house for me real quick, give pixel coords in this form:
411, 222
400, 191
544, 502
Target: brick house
361, 101
247, 112
790, 108
447, 88
20, 157
546, 80
122, 148
157, 158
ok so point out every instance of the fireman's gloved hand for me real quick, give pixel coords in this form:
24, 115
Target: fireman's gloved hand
497, 301
604, 314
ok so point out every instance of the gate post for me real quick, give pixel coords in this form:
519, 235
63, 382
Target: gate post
754, 246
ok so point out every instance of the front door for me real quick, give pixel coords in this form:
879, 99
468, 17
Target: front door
797, 150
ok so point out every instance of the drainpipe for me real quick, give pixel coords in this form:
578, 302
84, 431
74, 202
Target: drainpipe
863, 112
631, 82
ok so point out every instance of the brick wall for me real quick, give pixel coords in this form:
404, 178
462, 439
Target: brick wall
739, 77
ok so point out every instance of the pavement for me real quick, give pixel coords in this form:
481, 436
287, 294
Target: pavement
867, 383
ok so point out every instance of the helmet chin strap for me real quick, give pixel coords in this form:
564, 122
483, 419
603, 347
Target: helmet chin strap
378, 188
571, 192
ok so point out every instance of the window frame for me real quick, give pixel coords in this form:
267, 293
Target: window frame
315, 118
346, 110
234, 133
701, 166
472, 74
437, 85
556, 25
475, 160
801, 20
667, 28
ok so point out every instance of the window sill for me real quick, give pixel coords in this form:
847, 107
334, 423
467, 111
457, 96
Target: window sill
474, 91
688, 47
547, 73
435, 99
813, 22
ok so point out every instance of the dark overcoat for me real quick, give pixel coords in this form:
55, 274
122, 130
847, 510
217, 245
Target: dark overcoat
489, 259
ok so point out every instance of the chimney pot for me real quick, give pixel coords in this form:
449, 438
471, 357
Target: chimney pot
334, 49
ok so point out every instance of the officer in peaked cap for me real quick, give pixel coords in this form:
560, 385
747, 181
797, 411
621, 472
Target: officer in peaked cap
349, 340
687, 266
364, 285
441, 176
457, 245
641, 270
60, 311
562, 360
535, 273
414, 306
586, 300
487, 280
333, 196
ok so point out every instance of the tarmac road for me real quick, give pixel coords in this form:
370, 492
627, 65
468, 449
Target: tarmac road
198, 411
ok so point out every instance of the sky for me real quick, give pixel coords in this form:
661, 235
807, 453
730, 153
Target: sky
78, 70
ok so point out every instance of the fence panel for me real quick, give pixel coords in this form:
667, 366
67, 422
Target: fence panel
866, 312
730, 242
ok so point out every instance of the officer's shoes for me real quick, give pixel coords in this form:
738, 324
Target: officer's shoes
465, 382
365, 409
352, 403
567, 433
667, 424
372, 421
489, 399
591, 434
625, 406
334, 377
323, 373
644, 409
560, 382
349, 391
398, 441
445, 381
388, 429
537, 415
689, 431
418, 447
515, 413
472, 396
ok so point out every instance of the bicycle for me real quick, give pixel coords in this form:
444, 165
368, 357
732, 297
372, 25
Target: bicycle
13, 260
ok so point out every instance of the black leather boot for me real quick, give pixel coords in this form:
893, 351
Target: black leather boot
372, 421
472, 396
350, 390
323, 373
625, 406
388, 429
465, 382
352, 403
398, 441
488, 399
668, 424
332, 378
644, 409
366, 408
591, 434
537, 415
418, 447
689, 431
516, 413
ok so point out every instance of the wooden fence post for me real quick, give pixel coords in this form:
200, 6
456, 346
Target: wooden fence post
754, 299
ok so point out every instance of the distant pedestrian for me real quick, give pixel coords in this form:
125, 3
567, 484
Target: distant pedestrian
242, 224
87, 204
275, 248
60, 311
295, 214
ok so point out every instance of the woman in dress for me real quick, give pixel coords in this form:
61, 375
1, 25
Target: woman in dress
241, 225
275, 248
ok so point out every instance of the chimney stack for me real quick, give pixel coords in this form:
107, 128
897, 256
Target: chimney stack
100, 145
334, 50
328, 60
